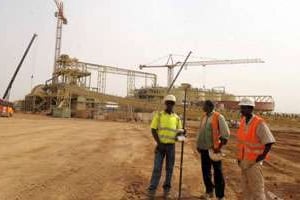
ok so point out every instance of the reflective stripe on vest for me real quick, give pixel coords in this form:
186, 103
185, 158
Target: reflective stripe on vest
166, 135
248, 144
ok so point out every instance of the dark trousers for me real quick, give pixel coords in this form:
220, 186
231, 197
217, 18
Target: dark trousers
163, 151
219, 183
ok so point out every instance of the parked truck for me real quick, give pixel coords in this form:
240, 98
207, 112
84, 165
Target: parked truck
6, 108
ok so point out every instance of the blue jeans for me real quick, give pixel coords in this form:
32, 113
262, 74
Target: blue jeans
162, 151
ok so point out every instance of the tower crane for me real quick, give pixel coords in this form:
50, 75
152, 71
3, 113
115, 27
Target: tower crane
61, 20
171, 65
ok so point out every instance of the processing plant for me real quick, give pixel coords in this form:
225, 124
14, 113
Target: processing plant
70, 93
78, 89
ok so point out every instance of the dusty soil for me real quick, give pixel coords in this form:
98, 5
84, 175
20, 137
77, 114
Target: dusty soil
59, 159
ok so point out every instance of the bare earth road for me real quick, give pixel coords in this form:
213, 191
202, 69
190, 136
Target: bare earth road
58, 159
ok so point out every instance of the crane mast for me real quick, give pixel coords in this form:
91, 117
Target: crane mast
61, 20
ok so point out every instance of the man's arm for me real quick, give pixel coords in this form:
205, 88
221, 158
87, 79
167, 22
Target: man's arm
155, 135
223, 142
266, 137
200, 131
154, 126
159, 146
224, 131
264, 154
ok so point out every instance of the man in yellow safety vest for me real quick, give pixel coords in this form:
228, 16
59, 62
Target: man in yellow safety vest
165, 127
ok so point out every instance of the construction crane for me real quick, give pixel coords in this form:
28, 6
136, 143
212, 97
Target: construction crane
59, 14
171, 65
7, 91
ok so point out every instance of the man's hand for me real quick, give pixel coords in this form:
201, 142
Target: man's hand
181, 132
155, 135
260, 158
217, 150
223, 141
159, 147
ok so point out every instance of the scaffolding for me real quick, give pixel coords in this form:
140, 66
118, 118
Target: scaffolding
72, 92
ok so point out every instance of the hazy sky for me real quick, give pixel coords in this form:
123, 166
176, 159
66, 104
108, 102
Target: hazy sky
132, 32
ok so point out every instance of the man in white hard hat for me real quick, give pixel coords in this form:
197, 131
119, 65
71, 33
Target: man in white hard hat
212, 135
254, 141
165, 128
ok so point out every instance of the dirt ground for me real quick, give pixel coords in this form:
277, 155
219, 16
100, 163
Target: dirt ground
66, 159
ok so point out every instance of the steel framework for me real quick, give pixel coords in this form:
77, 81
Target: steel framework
131, 75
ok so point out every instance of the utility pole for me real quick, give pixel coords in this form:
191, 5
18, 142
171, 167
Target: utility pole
186, 87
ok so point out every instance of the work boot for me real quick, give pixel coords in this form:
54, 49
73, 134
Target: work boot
151, 194
207, 196
166, 194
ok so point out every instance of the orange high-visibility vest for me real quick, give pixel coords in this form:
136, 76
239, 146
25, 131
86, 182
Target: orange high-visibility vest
248, 144
215, 129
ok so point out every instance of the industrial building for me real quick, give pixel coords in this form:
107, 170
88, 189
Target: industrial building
74, 91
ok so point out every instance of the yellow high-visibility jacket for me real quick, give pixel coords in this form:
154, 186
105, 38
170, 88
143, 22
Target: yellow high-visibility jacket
167, 126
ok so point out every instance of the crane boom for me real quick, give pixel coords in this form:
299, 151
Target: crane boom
159, 66
223, 62
201, 63
7, 91
207, 62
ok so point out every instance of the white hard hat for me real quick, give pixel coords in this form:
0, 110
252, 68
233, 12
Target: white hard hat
247, 102
215, 156
170, 97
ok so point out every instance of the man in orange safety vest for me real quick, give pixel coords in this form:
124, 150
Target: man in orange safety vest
212, 135
254, 141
